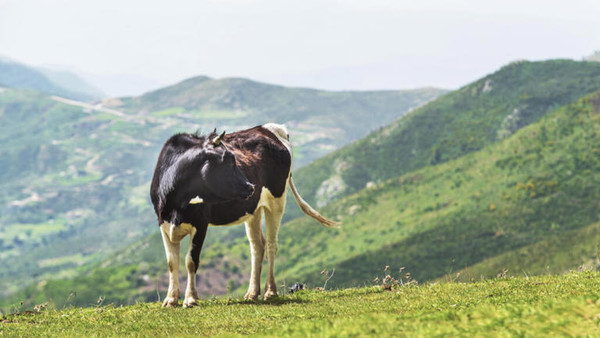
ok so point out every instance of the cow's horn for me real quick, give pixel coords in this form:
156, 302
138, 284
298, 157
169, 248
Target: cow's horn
217, 139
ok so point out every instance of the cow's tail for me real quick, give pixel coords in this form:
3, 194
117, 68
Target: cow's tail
307, 209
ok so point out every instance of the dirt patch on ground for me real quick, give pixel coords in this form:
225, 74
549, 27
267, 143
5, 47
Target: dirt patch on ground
211, 281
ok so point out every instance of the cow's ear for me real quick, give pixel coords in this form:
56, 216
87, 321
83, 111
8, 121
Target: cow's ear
217, 139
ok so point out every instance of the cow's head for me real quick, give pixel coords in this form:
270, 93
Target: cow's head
194, 170
212, 175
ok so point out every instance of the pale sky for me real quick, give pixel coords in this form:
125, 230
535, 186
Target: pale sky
370, 44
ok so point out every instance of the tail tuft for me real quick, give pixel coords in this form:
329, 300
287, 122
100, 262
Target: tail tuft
307, 209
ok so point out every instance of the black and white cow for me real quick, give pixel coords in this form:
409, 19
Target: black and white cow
219, 180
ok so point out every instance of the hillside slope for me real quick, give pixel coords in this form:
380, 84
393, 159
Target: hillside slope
538, 185
534, 188
481, 113
76, 176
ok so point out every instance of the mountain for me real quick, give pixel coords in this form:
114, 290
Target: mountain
17, 75
482, 213
76, 175
522, 197
479, 114
73, 82
320, 121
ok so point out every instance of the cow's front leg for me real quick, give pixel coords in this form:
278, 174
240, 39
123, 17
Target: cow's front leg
192, 262
257, 252
272, 220
172, 253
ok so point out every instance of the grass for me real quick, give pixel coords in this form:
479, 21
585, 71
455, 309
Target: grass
545, 305
168, 112
31, 230
71, 259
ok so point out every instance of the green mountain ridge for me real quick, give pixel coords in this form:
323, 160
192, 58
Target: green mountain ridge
321, 121
461, 122
474, 214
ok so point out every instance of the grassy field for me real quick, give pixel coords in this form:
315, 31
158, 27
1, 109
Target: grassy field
537, 306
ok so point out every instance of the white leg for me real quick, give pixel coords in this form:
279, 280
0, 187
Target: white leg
273, 219
191, 295
172, 253
257, 251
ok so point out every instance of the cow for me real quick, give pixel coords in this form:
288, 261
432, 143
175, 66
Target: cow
221, 180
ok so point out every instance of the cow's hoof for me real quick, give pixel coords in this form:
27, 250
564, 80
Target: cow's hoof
190, 302
270, 294
170, 302
251, 295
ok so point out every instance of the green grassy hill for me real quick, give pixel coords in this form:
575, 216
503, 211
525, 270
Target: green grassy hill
76, 176
479, 114
540, 306
539, 187
535, 191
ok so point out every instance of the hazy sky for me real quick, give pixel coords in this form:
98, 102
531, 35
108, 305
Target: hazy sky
370, 44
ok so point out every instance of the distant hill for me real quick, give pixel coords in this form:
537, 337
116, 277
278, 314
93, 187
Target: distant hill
521, 196
17, 75
76, 176
319, 121
73, 82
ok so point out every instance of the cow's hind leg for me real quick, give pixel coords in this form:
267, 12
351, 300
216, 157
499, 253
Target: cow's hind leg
192, 262
273, 216
172, 253
257, 251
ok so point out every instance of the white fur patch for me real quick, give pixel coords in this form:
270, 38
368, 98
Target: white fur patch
281, 132
177, 233
266, 198
196, 200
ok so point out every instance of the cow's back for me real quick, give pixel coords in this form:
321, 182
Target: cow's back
266, 162
263, 158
